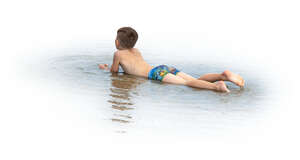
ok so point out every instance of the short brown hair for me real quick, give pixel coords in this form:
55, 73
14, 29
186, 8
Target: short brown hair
127, 37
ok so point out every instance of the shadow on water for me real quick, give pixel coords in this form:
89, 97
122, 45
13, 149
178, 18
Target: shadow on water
123, 87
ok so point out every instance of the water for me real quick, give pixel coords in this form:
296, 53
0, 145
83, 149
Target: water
131, 104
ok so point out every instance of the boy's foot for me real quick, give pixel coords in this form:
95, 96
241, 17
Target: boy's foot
234, 78
221, 86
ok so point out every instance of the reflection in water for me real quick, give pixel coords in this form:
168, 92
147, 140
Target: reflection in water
159, 105
123, 90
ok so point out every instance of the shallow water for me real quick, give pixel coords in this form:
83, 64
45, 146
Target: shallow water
58, 105
131, 103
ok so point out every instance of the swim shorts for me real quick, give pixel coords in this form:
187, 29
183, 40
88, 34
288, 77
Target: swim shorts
159, 72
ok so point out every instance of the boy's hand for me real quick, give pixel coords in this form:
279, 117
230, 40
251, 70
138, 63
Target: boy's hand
103, 66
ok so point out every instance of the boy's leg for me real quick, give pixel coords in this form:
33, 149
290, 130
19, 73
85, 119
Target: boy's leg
185, 76
210, 77
219, 86
213, 77
225, 76
171, 78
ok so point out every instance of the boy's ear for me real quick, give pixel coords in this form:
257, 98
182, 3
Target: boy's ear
117, 43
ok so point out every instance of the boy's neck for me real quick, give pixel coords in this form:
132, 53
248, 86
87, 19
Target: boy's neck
123, 49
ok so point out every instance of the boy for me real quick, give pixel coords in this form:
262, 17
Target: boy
133, 63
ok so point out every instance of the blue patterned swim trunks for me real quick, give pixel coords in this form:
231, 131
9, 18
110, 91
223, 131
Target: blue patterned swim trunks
159, 72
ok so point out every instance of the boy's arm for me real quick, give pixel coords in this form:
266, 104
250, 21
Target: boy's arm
116, 61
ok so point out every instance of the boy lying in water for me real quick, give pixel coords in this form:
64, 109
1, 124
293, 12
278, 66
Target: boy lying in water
133, 63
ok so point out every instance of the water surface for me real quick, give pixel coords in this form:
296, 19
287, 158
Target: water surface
135, 103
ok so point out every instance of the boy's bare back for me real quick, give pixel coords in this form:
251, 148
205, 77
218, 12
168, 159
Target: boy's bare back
132, 62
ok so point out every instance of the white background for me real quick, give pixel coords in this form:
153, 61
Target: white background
267, 31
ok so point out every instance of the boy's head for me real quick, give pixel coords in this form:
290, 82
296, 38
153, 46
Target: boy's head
126, 38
